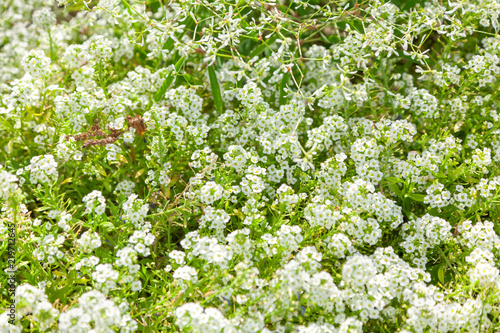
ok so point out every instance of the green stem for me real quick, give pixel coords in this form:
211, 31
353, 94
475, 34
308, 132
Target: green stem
51, 46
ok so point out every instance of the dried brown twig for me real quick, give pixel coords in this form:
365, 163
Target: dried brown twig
138, 123
95, 131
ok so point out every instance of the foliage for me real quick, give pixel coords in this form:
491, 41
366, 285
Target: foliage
250, 166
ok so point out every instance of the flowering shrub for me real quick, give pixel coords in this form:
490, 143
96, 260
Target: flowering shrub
249, 166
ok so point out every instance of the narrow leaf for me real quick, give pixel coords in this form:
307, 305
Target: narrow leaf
107, 185
122, 158
441, 274
395, 189
168, 81
284, 81
215, 88
263, 46
394, 180
418, 197
67, 180
139, 173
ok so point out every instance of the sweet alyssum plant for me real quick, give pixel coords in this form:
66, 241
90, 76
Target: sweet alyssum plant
250, 166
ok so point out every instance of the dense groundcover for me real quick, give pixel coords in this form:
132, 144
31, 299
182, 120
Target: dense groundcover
249, 166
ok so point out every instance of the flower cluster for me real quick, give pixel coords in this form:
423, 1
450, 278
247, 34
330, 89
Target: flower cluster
135, 210
36, 63
94, 203
43, 169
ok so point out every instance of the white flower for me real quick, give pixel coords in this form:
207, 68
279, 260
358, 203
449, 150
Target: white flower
136, 285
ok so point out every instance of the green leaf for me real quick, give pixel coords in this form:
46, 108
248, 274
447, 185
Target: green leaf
108, 226
284, 81
57, 293
458, 172
265, 45
107, 185
417, 197
395, 189
441, 274
139, 173
244, 24
215, 88
122, 158
169, 44
168, 81
57, 273
394, 180
67, 180
238, 214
